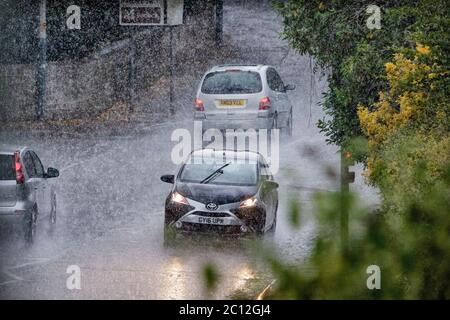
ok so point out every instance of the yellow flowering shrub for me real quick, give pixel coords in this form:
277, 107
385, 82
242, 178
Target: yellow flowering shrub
422, 49
406, 153
416, 101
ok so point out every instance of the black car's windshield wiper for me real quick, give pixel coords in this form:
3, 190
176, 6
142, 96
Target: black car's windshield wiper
215, 173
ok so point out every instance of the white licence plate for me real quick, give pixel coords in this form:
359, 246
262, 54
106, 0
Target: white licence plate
211, 220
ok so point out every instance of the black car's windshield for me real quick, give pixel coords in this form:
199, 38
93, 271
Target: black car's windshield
232, 82
242, 174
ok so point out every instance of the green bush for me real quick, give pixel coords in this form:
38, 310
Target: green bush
412, 250
408, 151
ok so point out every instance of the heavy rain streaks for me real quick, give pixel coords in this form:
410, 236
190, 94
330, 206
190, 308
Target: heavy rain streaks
110, 196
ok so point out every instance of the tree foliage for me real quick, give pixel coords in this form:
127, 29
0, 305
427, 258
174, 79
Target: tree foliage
409, 125
336, 35
391, 86
413, 253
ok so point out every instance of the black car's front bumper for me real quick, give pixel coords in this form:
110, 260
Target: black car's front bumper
229, 219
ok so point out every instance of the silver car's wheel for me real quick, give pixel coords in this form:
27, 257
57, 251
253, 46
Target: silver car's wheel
289, 125
275, 121
30, 226
274, 126
52, 220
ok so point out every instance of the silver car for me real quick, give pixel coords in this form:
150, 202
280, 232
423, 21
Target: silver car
243, 96
25, 193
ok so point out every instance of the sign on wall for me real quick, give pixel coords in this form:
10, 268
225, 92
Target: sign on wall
151, 12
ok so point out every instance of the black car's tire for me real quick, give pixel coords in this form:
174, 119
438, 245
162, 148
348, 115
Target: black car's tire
30, 226
260, 225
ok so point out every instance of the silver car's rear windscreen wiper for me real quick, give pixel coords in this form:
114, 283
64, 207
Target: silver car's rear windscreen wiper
212, 175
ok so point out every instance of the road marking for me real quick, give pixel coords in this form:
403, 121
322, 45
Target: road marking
16, 278
263, 293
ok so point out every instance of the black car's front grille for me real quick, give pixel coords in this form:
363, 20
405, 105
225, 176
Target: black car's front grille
208, 228
211, 214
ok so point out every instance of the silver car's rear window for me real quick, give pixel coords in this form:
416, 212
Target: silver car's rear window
232, 82
7, 167
238, 174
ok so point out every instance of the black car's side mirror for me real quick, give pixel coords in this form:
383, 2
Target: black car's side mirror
272, 185
289, 87
52, 173
169, 178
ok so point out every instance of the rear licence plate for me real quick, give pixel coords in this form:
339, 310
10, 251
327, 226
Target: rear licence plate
210, 220
225, 103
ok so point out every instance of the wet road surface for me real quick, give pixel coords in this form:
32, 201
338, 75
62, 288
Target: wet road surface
110, 197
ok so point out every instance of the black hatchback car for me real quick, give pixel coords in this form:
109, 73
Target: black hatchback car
222, 191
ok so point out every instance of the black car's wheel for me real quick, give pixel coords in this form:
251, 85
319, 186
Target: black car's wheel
259, 225
30, 226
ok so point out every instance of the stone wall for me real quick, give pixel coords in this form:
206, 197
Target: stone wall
85, 87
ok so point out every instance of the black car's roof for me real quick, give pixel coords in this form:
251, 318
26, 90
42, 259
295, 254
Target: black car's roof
226, 153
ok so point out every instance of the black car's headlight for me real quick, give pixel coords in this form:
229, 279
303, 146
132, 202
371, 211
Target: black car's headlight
178, 198
248, 203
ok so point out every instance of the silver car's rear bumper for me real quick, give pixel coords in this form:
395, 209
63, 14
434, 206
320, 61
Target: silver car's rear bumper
15, 214
221, 124
8, 217
19, 207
